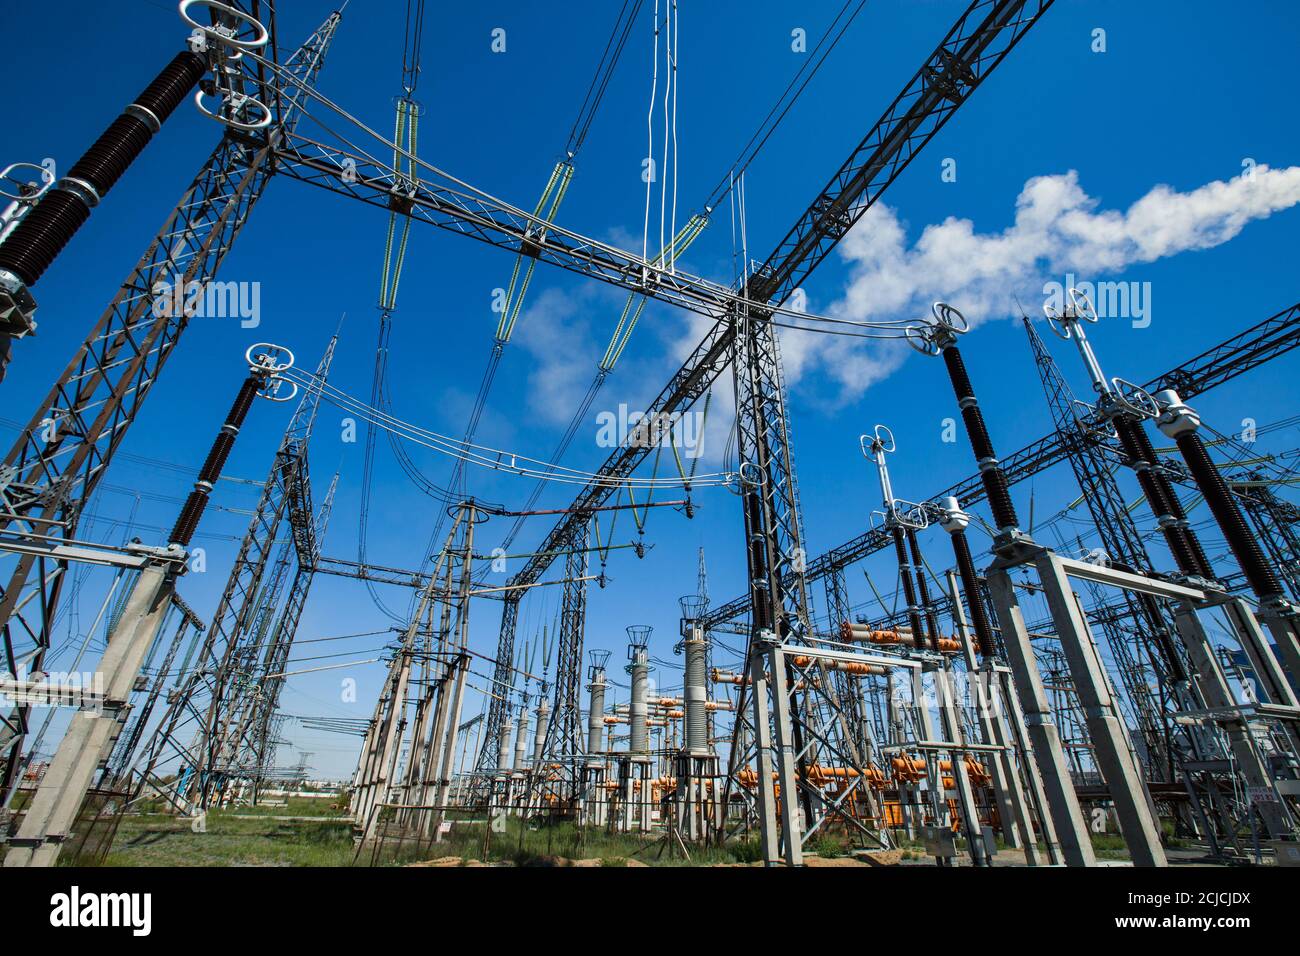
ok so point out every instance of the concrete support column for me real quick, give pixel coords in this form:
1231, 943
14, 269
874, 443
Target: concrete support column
1110, 739
1067, 816
54, 808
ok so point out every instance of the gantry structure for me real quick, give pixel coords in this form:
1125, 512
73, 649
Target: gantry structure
810, 730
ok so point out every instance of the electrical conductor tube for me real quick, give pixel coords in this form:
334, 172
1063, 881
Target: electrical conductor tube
1180, 423
954, 522
188, 519
43, 233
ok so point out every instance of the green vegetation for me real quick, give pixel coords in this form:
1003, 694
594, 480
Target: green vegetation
230, 840
316, 832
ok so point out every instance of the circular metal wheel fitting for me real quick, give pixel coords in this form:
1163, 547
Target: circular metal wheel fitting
887, 443
6, 176
750, 474
1056, 322
260, 34
1137, 399
277, 389
243, 101
950, 318
918, 336
269, 357
1082, 306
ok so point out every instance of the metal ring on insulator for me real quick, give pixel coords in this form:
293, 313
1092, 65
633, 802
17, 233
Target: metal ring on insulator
260, 33
950, 318
910, 514
237, 101
1135, 399
268, 356
919, 337
748, 481
1082, 306
1056, 322
274, 389
890, 446
1091, 421
47, 180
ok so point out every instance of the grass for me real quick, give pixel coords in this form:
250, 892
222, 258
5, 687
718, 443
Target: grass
315, 832
230, 840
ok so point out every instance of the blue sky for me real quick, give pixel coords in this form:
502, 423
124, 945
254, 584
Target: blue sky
1181, 97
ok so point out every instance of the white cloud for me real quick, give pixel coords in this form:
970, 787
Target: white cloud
1057, 228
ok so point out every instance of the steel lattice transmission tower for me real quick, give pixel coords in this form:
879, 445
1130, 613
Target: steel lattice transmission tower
227, 675
564, 743
57, 461
976, 44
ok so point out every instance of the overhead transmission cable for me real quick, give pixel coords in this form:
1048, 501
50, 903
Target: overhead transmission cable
682, 240
511, 303
494, 458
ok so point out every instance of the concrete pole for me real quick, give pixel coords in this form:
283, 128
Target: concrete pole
1008, 813
1110, 739
460, 667
955, 733
1003, 698
1071, 830
53, 810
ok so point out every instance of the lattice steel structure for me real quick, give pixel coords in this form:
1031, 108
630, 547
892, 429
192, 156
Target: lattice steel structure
227, 670
1262, 342
979, 40
57, 461
563, 748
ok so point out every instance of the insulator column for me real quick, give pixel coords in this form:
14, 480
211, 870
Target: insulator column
1180, 423
596, 711
503, 753
696, 691
1183, 543
637, 713
995, 482
909, 587
923, 592
46, 229
954, 522
197, 501
543, 728
521, 739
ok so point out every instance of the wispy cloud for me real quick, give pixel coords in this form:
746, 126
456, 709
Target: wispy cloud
1057, 228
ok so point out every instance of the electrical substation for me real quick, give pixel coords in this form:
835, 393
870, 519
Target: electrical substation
957, 683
